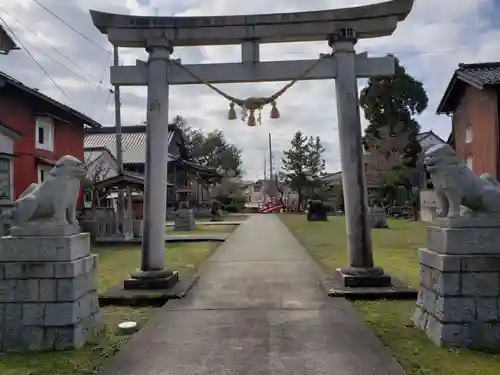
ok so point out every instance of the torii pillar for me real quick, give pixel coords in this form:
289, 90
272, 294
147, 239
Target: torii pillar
360, 271
153, 274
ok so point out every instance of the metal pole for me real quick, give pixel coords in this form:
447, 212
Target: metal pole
270, 159
119, 149
265, 167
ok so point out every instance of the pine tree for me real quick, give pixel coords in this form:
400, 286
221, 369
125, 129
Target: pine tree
315, 165
295, 163
303, 165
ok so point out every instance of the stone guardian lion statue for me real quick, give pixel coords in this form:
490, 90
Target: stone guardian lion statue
55, 199
455, 184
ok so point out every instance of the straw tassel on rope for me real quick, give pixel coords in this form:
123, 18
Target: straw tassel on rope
275, 113
251, 118
232, 113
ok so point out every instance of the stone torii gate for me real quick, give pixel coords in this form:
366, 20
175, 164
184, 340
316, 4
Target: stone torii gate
340, 27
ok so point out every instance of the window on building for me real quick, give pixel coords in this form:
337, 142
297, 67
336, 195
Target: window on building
44, 133
468, 134
5, 179
43, 173
87, 199
468, 162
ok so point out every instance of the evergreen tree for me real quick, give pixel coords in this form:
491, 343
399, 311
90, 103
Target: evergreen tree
390, 105
315, 166
211, 150
294, 164
303, 165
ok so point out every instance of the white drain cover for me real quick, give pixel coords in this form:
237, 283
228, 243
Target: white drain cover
127, 327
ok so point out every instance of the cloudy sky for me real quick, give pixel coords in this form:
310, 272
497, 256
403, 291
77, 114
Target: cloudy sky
430, 43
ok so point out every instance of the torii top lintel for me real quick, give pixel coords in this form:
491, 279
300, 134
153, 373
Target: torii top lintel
369, 21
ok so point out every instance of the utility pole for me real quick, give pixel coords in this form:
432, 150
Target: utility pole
119, 149
265, 167
270, 159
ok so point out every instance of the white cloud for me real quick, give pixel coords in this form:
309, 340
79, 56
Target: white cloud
430, 43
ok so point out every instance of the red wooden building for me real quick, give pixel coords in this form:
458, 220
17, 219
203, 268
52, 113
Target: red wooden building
472, 100
35, 131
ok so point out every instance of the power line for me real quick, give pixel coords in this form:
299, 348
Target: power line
110, 91
33, 58
70, 26
106, 106
106, 67
47, 43
67, 58
69, 70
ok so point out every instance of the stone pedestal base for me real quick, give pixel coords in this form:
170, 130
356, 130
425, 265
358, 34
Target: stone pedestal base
117, 237
459, 299
364, 277
48, 297
184, 220
377, 218
44, 229
137, 228
161, 279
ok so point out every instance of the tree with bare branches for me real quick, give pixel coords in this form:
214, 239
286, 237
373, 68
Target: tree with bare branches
97, 170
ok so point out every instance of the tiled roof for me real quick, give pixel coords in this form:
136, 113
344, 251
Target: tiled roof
481, 74
423, 135
430, 133
7, 44
133, 142
478, 75
93, 154
35, 93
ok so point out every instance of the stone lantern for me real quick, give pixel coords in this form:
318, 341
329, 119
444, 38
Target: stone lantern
184, 216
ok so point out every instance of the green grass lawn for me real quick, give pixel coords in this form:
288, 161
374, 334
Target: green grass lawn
115, 264
395, 249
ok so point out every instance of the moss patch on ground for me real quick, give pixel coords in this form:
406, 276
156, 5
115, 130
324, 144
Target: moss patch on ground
115, 264
396, 250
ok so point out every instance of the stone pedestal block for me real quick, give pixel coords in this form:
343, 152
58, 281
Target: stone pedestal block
48, 298
364, 277
137, 228
459, 299
184, 220
377, 218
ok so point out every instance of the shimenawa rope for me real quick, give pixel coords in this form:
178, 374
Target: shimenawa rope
251, 104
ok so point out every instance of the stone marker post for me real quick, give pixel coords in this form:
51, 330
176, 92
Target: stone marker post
360, 270
153, 274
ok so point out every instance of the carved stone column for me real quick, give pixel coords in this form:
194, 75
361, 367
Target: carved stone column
360, 270
153, 274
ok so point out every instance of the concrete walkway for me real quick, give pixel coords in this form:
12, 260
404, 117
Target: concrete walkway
258, 308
